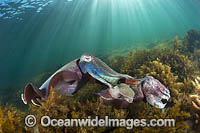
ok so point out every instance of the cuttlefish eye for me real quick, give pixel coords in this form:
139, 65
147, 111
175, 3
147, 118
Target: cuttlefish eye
164, 101
87, 58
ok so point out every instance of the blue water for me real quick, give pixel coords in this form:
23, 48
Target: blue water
40, 35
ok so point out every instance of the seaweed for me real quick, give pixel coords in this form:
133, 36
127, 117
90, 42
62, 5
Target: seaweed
163, 74
11, 120
189, 44
67, 107
192, 40
180, 64
195, 100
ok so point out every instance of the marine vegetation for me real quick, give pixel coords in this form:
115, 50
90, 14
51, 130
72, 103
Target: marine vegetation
189, 45
192, 40
196, 101
196, 98
180, 64
11, 120
177, 68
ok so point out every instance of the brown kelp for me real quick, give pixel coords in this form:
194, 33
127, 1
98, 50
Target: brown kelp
11, 120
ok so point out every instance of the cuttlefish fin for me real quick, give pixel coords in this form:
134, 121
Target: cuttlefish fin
105, 94
35, 102
30, 94
65, 82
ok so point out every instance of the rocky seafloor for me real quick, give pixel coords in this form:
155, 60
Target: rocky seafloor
175, 64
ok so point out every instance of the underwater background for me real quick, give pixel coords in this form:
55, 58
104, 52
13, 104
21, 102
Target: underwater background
133, 36
33, 41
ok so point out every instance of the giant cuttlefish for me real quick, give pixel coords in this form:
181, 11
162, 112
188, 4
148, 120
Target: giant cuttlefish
71, 77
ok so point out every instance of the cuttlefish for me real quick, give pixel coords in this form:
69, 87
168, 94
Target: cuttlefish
88, 68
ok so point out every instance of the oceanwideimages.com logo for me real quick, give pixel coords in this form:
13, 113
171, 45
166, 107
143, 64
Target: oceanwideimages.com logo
46, 121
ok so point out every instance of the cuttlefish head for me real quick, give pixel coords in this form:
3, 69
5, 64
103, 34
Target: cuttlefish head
85, 62
155, 92
98, 70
